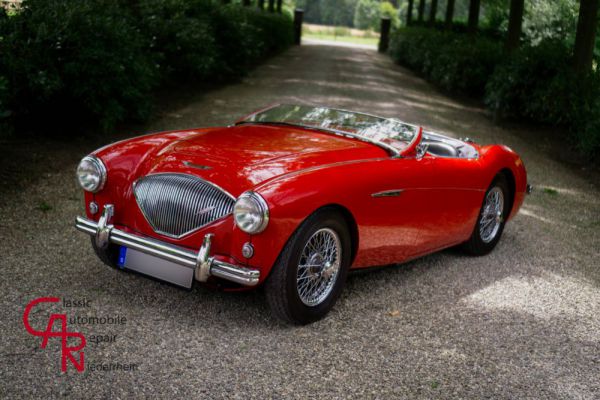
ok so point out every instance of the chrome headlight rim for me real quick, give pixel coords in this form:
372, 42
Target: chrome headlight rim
100, 167
262, 209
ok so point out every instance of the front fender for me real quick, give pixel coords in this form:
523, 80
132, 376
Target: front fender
294, 197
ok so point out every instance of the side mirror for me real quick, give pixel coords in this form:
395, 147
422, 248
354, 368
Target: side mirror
421, 150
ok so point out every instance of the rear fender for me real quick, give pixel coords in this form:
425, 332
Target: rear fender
496, 158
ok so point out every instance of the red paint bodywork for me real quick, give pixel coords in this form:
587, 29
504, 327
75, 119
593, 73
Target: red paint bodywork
298, 171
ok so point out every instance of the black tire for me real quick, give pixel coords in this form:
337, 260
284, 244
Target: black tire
109, 256
281, 287
476, 245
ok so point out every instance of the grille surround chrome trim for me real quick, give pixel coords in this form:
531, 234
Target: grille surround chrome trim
178, 213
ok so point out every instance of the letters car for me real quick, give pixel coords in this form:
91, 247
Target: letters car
292, 198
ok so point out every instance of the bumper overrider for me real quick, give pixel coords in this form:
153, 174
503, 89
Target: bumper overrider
203, 264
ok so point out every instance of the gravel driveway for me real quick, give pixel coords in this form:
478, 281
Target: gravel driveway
523, 322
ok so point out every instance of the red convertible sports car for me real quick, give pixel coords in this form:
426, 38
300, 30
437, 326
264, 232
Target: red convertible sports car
293, 197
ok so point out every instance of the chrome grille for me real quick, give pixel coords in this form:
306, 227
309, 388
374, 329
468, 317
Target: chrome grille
178, 204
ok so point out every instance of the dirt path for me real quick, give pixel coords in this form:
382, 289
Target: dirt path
521, 322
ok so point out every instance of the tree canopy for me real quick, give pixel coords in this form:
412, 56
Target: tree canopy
542, 19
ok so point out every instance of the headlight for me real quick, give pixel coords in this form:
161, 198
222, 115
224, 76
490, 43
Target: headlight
91, 174
251, 213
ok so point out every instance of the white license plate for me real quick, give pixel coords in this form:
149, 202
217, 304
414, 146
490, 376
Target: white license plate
156, 267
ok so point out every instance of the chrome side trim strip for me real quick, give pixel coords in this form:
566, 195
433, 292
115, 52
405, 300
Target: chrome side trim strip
388, 193
201, 261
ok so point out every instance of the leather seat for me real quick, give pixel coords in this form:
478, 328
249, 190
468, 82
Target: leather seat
441, 149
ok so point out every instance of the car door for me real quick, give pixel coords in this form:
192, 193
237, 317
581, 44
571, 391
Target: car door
439, 202
429, 203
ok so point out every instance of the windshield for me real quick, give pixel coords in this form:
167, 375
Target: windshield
390, 133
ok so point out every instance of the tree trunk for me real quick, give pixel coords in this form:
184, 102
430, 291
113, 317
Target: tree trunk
246, 3
261, 4
271, 5
298, 16
473, 16
433, 12
409, 12
586, 36
279, 6
421, 10
515, 21
384, 38
449, 13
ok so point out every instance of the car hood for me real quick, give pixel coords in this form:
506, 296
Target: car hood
237, 158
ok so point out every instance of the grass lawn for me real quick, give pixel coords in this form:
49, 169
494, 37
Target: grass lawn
340, 34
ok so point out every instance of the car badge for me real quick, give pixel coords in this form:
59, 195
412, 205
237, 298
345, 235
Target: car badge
198, 166
205, 210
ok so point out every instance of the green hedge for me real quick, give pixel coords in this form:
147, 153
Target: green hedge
535, 83
246, 34
454, 61
538, 83
97, 62
181, 38
526, 85
4, 112
73, 61
201, 40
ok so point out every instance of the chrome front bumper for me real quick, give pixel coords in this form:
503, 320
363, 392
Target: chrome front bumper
203, 264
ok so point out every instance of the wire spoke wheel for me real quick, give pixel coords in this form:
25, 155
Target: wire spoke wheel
319, 267
492, 215
310, 272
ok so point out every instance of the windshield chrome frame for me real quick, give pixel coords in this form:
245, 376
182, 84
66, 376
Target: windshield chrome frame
396, 153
